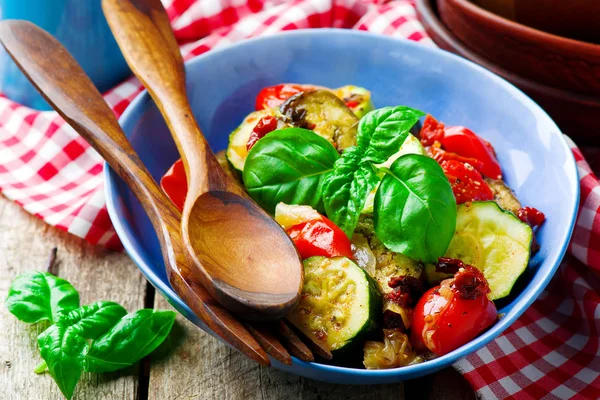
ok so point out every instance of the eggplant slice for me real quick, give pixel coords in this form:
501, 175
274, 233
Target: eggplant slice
325, 114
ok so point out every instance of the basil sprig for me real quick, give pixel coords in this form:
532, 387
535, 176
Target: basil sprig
380, 134
414, 210
99, 337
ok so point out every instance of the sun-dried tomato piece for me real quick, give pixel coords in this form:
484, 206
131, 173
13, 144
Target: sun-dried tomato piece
407, 290
469, 283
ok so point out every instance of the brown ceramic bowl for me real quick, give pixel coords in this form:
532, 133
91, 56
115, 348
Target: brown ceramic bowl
576, 114
543, 57
575, 19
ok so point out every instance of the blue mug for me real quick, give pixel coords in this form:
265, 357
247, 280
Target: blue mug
81, 27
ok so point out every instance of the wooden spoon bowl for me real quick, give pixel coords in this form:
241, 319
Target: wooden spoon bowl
243, 257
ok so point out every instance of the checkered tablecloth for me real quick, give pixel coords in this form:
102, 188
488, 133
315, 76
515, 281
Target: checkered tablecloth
551, 352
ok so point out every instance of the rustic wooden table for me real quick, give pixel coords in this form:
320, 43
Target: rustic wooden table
189, 365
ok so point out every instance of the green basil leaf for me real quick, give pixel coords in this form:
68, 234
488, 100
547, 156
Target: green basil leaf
289, 166
134, 337
63, 349
415, 209
36, 296
381, 132
345, 190
94, 320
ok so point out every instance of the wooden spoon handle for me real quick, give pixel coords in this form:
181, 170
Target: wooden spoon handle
143, 32
63, 83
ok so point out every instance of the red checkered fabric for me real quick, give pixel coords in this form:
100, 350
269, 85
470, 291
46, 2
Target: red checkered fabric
551, 352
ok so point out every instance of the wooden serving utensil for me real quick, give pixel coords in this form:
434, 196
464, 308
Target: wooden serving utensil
63, 83
244, 258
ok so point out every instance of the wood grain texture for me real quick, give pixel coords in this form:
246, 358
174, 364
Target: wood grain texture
25, 243
189, 365
247, 261
202, 368
50, 67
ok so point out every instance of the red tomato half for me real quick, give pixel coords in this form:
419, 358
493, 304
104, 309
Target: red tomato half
467, 183
452, 314
464, 142
174, 184
432, 131
320, 237
273, 96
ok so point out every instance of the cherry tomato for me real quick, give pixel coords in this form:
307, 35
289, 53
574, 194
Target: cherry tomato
453, 313
464, 142
467, 184
174, 184
264, 125
432, 131
320, 237
531, 216
273, 96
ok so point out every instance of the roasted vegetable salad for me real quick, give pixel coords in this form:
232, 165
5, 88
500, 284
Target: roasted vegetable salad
407, 230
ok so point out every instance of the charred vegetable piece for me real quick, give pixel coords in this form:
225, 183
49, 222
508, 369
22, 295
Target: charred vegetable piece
356, 98
395, 351
340, 303
503, 195
323, 113
389, 265
494, 241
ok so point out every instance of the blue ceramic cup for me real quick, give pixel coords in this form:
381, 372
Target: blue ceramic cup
81, 27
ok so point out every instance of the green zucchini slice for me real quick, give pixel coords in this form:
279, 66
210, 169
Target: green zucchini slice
340, 303
493, 240
237, 151
357, 99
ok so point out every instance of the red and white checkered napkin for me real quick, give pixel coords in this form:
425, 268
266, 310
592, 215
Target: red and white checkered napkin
550, 352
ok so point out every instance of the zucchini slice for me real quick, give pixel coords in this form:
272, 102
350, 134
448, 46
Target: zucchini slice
325, 114
227, 168
357, 99
388, 265
237, 151
340, 303
493, 240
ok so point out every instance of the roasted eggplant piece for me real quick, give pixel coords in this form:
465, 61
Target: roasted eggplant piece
325, 114
503, 195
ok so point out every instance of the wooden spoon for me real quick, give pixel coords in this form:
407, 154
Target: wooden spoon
63, 83
245, 259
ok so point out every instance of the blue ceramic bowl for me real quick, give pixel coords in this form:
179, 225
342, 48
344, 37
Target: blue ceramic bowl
222, 86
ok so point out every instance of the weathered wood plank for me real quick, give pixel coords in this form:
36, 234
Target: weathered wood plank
199, 367
25, 243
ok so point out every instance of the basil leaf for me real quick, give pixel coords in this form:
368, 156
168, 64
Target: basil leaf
345, 190
288, 166
415, 209
94, 320
381, 132
36, 296
63, 349
134, 337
